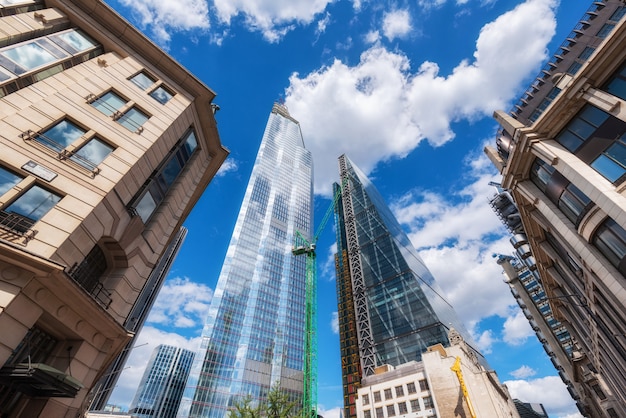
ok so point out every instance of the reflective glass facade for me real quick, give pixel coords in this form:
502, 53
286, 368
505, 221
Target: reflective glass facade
162, 384
253, 338
390, 308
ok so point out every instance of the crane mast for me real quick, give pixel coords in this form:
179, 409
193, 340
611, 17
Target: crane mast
302, 246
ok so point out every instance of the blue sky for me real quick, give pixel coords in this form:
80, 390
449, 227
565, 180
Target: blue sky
406, 89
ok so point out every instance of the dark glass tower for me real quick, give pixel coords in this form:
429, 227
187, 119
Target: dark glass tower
162, 384
390, 308
253, 338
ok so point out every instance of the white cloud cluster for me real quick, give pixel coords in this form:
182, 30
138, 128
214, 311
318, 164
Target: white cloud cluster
549, 391
161, 17
517, 329
380, 104
523, 372
273, 18
396, 24
181, 304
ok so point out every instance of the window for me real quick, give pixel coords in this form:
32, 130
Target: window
569, 198
8, 180
399, 391
598, 139
428, 402
388, 394
161, 94
586, 53
145, 81
410, 387
391, 410
423, 385
596, 388
618, 14
380, 413
29, 207
605, 30
75, 143
617, 84
367, 414
402, 408
161, 180
377, 396
44, 57
581, 127
610, 239
366, 399
612, 162
415, 405
121, 110
88, 272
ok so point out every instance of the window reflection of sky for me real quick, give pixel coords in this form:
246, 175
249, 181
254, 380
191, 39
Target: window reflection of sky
108, 103
94, 151
34, 204
7, 180
76, 40
161, 95
63, 133
143, 80
29, 55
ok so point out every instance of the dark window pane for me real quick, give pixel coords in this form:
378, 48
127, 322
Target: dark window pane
605, 30
593, 115
171, 170
617, 88
586, 53
611, 241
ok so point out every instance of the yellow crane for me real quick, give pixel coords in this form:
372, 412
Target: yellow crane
456, 368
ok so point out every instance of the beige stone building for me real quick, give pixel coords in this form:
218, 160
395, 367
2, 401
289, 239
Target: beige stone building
432, 388
106, 143
566, 172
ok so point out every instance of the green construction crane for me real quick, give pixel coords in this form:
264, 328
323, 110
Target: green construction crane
303, 246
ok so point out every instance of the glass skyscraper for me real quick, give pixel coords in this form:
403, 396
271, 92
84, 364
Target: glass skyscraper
390, 308
253, 338
162, 384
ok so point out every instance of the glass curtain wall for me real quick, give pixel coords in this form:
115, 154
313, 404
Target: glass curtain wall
253, 338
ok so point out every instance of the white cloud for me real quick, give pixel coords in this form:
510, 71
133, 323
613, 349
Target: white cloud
323, 23
181, 303
229, 165
456, 240
334, 323
165, 16
273, 18
516, 329
549, 391
484, 341
396, 24
372, 37
523, 372
147, 340
381, 104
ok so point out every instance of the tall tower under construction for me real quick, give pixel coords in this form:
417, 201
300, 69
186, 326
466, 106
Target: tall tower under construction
253, 339
389, 306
